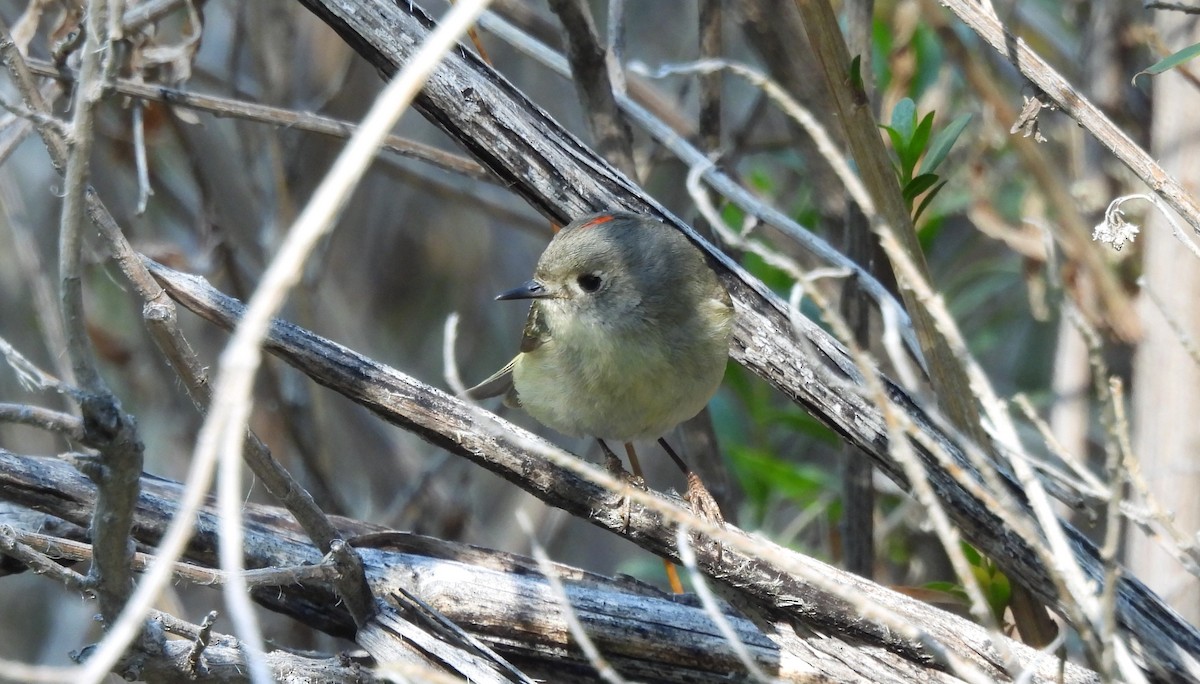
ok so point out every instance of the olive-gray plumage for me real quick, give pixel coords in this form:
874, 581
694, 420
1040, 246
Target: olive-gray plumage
628, 334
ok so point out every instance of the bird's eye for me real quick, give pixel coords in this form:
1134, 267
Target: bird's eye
589, 282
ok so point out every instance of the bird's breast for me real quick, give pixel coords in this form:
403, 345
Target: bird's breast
619, 385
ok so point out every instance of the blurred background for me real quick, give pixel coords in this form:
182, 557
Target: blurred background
418, 243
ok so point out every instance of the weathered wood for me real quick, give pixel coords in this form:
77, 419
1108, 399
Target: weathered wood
506, 601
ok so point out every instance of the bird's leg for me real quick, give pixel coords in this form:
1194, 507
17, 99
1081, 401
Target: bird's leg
614, 467
701, 500
672, 572
674, 456
611, 463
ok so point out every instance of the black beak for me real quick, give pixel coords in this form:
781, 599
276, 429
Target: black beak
530, 289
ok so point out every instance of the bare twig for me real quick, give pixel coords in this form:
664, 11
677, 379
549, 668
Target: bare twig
1087, 481
30, 376
305, 121
1114, 529
223, 430
37, 278
66, 549
106, 426
590, 68
1171, 6
616, 45
87, 96
40, 562
449, 361
201, 642
709, 124
64, 424
1073, 103
139, 156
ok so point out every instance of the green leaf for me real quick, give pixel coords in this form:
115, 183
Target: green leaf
764, 472
950, 589
917, 145
972, 555
882, 41
771, 276
927, 48
924, 203
904, 118
919, 185
942, 142
896, 137
999, 592
856, 79
803, 424
1169, 62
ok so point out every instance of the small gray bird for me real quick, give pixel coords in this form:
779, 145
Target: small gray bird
628, 334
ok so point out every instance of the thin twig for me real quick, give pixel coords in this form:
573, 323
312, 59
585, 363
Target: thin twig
1185, 339
709, 120
139, 156
223, 430
592, 80
1073, 103
201, 642
30, 376
82, 134
1087, 483
67, 549
1114, 530
64, 424
1171, 6
105, 425
449, 360
615, 52
278, 116
38, 279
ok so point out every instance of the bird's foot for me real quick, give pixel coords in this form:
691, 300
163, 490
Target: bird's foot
703, 504
701, 500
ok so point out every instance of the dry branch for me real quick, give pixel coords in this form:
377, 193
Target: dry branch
506, 601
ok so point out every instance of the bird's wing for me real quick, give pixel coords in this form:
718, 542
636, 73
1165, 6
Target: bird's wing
536, 331
534, 335
500, 382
